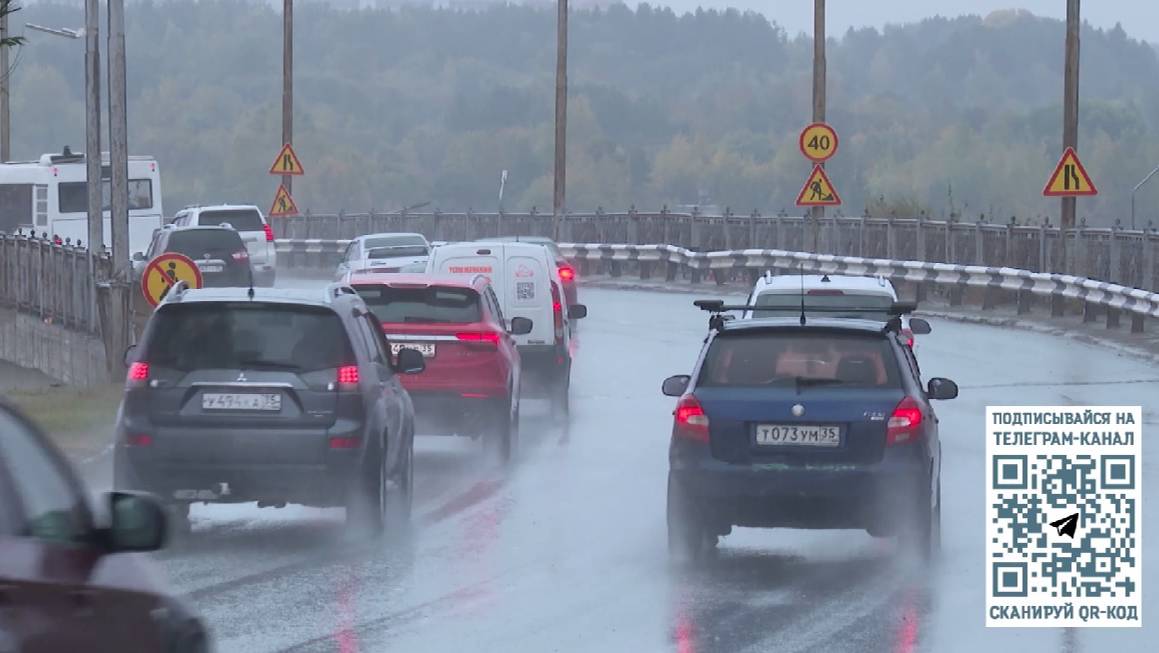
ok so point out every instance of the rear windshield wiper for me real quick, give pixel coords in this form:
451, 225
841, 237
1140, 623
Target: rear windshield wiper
258, 363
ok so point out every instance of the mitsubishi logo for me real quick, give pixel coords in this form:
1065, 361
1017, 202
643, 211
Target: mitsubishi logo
798, 410
241, 377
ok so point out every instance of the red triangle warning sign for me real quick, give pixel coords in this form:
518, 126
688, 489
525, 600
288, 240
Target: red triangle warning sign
284, 205
1070, 178
818, 190
287, 162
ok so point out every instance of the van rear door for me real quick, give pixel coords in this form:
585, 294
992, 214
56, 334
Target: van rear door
469, 259
527, 293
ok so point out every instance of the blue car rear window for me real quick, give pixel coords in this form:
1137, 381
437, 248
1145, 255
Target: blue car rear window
770, 358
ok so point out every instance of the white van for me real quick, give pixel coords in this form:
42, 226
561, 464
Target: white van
527, 282
50, 196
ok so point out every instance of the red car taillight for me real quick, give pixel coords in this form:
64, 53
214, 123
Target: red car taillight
139, 440
690, 423
908, 335
344, 443
138, 374
557, 312
348, 375
905, 423
488, 338
567, 273
241, 256
269, 233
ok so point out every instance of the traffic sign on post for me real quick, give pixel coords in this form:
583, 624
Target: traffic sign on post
287, 162
284, 205
1070, 178
818, 190
818, 142
166, 270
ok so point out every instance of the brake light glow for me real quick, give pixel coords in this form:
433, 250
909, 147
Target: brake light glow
557, 312
482, 337
345, 443
904, 422
348, 375
139, 440
138, 371
691, 422
909, 337
269, 233
566, 272
241, 256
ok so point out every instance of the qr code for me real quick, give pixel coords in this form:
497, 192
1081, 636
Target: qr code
524, 290
1095, 562
1063, 520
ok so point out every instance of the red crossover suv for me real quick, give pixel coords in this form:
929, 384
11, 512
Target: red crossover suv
471, 382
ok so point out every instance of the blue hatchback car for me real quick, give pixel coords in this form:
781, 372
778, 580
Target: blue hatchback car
821, 423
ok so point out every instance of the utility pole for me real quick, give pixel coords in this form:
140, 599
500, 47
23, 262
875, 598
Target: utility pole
288, 82
818, 95
1070, 117
5, 115
94, 183
119, 321
560, 119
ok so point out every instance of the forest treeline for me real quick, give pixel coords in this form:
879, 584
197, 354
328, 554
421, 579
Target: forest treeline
399, 107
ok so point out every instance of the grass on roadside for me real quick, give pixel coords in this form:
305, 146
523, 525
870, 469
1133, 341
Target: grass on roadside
77, 418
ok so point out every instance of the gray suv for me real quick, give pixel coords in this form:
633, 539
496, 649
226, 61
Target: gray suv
274, 396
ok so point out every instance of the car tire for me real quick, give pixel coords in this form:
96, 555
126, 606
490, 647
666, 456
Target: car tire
400, 494
689, 538
922, 533
366, 504
561, 396
504, 433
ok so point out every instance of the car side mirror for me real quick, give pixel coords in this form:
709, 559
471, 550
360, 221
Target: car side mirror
138, 523
577, 312
130, 351
674, 386
919, 326
939, 388
520, 326
410, 361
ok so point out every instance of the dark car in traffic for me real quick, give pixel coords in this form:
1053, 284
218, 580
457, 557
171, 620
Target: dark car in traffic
825, 424
269, 396
72, 578
218, 252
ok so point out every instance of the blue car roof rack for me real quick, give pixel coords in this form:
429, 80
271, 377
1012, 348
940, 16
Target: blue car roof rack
717, 307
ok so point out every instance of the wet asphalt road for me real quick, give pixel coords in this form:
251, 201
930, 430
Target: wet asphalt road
567, 552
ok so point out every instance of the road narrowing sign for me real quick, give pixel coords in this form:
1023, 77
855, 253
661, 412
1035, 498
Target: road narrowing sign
284, 205
818, 190
818, 142
1070, 178
287, 163
166, 270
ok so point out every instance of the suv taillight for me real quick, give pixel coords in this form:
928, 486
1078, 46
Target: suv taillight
138, 373
269, 232
486, 338
348, 375
691, 422
905, 423
557, 312
241, 256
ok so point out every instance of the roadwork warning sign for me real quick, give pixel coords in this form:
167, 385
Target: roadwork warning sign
1063, 516
818, 190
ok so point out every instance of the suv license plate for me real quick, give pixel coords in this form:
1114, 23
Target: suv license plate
798, 435
210, 267
241, 401
425, 348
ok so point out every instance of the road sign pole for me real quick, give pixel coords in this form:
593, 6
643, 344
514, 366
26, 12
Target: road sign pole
818, 94
93, 131
119, 186
288, 82
1070, 119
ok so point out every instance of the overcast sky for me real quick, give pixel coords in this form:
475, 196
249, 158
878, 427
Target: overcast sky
1140, 18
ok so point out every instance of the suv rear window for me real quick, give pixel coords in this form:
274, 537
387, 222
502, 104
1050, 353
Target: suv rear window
421, 305
247, 336
240, 219
770, 358
196, 243
827, 303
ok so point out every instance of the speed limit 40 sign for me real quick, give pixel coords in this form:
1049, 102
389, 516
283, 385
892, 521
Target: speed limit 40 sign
818, 142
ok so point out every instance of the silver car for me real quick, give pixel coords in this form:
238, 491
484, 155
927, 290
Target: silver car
387, 252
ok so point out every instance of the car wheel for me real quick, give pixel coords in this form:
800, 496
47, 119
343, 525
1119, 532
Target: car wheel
400, 495
500, 441
366, 504
561, 397
689, 539
923, 528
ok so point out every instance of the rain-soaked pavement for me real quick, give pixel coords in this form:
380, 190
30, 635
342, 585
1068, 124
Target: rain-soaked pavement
567, 552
